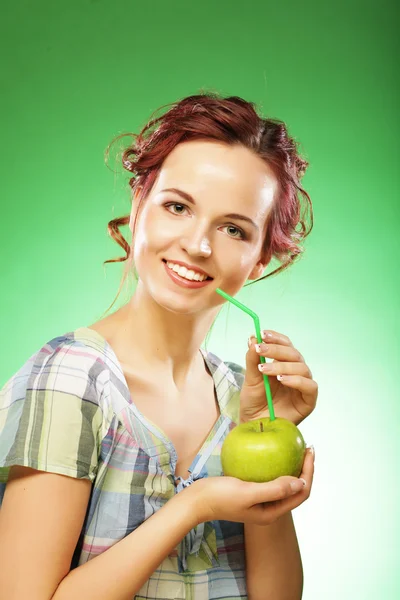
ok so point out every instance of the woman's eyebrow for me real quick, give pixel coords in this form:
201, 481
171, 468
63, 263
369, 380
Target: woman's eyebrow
190, 199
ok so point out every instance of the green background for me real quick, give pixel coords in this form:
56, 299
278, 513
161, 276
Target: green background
77, 74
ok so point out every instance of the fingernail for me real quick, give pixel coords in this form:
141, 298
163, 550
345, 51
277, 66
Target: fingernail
312, 450
265, 367
297, 485
304, 481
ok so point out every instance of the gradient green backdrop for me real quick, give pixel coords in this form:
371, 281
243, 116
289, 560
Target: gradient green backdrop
77, 74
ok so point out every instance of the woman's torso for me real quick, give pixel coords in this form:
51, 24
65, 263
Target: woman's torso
186, 418
132, 457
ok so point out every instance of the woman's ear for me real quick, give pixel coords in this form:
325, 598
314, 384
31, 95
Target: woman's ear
257, 270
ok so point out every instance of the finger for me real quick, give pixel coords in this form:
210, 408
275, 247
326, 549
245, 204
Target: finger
272, 490
252, 375
298, 369
307, 386
279, 352
269, 335
280, 500
307, 472
276, 338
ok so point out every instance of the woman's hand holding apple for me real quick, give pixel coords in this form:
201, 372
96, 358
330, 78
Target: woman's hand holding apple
294, 398
231, 499
258, 449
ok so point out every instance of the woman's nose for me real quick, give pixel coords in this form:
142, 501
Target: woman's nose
196, 245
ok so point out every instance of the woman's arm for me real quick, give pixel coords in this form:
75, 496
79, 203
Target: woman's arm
119, 572
274, 570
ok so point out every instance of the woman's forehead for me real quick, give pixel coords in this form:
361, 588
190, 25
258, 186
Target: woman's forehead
208, 170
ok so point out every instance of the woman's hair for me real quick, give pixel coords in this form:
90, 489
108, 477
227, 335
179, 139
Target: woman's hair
232, 121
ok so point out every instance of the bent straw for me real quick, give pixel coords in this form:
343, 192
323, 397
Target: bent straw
259, 339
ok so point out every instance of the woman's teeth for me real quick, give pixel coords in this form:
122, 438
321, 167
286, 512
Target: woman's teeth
185, 273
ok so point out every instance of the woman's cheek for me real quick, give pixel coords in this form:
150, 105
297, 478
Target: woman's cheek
235, 274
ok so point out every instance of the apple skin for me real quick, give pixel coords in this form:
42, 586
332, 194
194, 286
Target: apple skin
251, 454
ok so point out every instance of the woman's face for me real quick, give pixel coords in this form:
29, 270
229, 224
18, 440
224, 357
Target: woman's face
223, 181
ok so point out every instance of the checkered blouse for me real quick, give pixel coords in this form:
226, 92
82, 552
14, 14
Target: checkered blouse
68, 410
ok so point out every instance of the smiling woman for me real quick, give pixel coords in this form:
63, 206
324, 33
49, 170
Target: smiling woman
111, 434
232, 122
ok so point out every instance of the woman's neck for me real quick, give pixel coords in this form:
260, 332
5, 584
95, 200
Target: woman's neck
157, 341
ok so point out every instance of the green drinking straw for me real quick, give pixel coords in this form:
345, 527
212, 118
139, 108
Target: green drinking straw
259, 339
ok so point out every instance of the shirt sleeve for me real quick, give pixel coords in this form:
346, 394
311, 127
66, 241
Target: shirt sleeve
51, 416
238, 372
236, 377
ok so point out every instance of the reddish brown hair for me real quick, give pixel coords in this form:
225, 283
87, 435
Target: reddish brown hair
230, 120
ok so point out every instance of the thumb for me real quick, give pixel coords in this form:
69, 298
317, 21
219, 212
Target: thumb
277, 489
252, 376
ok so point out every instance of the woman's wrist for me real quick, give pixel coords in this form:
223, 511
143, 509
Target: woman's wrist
196, 502
190, 505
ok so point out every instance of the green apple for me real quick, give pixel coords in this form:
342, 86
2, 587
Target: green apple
262, 450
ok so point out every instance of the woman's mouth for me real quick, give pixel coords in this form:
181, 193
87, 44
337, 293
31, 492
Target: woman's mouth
184, 276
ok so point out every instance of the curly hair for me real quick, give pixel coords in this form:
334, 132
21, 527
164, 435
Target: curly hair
233, 121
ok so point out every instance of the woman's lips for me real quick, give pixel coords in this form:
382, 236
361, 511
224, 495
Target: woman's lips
185, 282
188, 267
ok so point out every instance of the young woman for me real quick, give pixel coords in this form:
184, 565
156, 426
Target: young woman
110, 435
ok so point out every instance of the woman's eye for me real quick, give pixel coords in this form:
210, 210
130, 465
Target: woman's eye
167, 206
239, 231
236, 230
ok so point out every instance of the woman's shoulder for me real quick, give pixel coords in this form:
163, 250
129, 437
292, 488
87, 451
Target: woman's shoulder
75, 359
54, 413
231, 370
228, 379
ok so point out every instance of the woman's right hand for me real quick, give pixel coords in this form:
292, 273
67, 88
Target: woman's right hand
231, 499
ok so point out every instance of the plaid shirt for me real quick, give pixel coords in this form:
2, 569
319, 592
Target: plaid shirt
68, 410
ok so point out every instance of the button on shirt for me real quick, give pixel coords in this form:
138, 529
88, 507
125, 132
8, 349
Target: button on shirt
69, 410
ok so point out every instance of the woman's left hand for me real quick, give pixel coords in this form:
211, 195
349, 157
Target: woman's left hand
294, 397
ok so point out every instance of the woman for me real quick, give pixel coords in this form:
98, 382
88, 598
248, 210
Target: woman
110, 435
